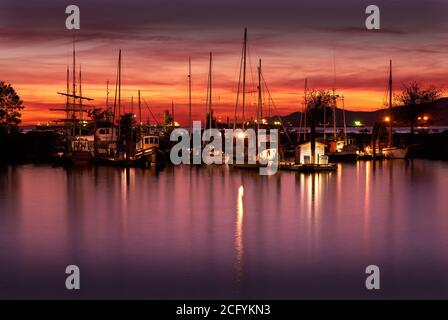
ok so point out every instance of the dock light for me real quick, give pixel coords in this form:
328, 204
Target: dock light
419, 118
425, 118
387, 119
263, 121
357, 123
240, 135
277, 123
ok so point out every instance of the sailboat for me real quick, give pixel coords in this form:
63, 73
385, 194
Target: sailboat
260, 160
79, 147
391, 151
340, 148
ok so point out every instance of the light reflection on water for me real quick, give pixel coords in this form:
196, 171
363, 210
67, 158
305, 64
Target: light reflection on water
214, 232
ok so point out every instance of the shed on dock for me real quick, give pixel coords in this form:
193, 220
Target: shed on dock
303, 153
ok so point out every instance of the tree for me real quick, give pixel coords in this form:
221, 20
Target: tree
416, 101
10, 107
317, 102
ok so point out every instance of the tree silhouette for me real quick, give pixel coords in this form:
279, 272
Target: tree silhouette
416, 101
317, 102
10, 107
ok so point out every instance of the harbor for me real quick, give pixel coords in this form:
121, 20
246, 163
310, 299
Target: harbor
312, 142
165, 150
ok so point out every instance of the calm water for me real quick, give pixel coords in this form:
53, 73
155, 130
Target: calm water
215, 232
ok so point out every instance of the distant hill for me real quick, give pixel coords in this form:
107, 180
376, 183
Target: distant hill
439, 116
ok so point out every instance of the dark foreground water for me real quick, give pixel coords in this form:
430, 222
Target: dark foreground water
216, 232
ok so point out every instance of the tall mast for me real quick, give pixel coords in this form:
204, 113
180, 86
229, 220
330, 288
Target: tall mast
107, 94
119, 91
74, 88
139, 109
172, 110
67, 103
334, 98
80, 102
260, 98
305, 106
210, 92
390, 104
190, 123
244, 72
345, 124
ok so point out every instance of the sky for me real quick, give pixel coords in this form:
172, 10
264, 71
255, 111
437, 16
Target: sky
324, 41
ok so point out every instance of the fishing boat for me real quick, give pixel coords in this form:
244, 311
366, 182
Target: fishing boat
81, 149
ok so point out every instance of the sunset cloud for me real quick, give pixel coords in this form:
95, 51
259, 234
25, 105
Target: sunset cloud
294, 39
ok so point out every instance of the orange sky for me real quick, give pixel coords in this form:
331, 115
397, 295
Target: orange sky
157, 40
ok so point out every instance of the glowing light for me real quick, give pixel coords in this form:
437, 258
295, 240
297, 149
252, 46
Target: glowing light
240, 135
277, 123
239, 233
387, 119
357, 123
425, 118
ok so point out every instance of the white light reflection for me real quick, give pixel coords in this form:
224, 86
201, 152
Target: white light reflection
239, 234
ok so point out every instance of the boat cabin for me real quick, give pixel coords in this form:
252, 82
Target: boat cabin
82, 143
105, 134
147, 144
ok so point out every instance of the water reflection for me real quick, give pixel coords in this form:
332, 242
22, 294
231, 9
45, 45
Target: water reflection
214, 232
239, 234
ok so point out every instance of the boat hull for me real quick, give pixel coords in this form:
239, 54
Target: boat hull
395, 153
81, 157
342, 156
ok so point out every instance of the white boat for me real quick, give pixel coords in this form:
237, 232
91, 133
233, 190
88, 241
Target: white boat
395, 152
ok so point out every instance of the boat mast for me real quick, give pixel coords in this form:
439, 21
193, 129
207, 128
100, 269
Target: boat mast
74, 90
210, 92
139, 109
260, 98
345, 124
80, 102
119, 92
305, 106
107, 94
67, 104
390, 104
244, 72
190, 123
334, 98
172, 110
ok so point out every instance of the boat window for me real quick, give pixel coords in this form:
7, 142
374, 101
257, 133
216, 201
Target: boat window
146, 140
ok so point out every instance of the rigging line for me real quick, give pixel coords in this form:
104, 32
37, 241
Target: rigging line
149, 109
251, 72
275, 107
238, 89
